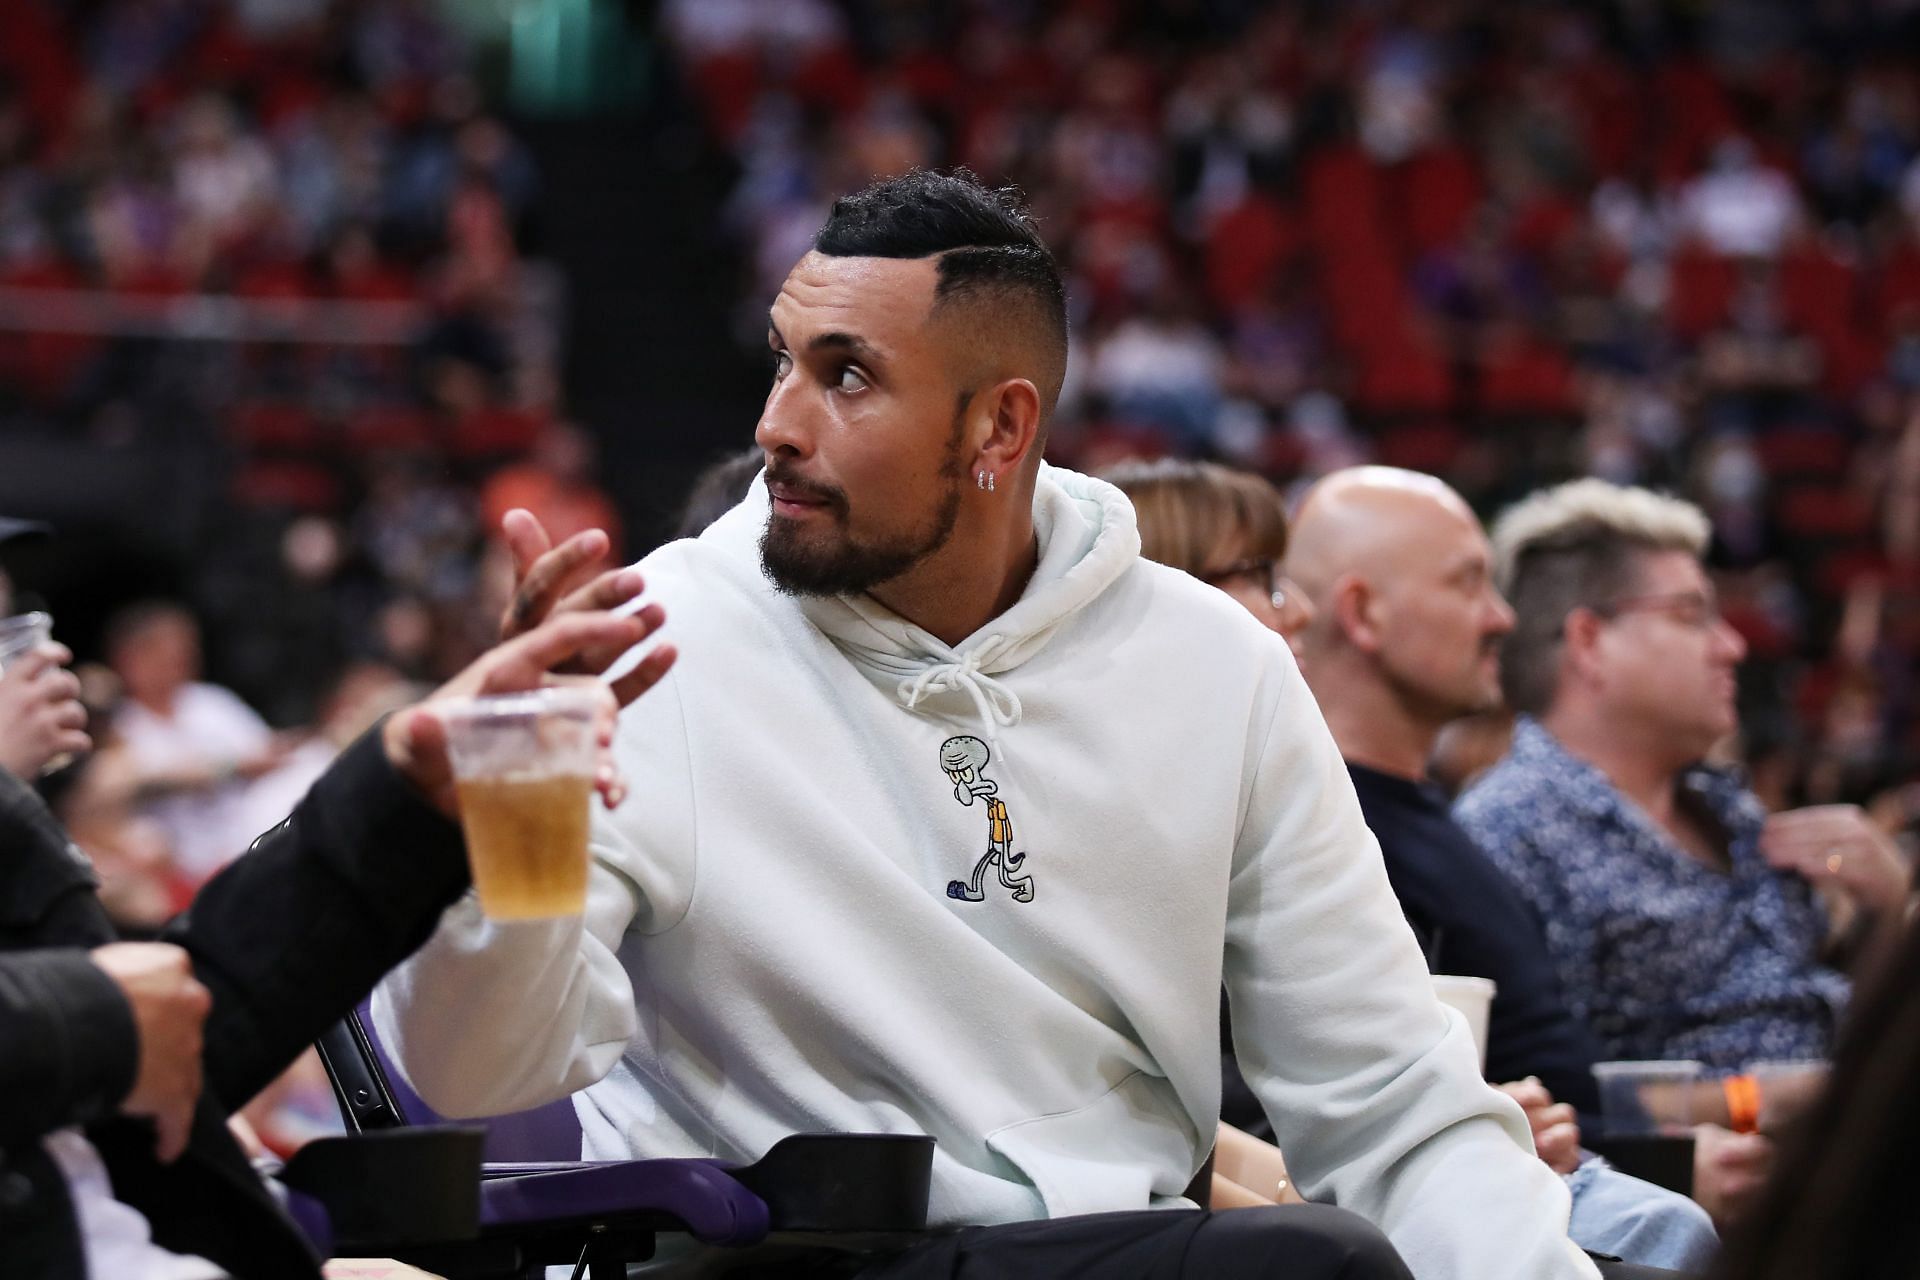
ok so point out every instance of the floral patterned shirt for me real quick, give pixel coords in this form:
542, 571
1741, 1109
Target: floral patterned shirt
1662, 955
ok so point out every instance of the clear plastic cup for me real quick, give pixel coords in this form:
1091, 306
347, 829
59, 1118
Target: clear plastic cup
22, 634
1788, 1089
523, 764
1473, 997
1647, 1097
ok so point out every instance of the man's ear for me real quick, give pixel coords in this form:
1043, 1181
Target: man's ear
1008, 416
1355, 612
1580, 641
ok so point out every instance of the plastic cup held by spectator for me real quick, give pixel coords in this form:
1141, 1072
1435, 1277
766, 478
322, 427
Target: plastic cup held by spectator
523, 765
1638, 1098
22, 634
1473, 997
1788, 1089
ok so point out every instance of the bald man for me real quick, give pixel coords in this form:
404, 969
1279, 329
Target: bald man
1405, 637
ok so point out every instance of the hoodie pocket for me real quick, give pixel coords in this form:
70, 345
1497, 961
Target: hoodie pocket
1130, 1148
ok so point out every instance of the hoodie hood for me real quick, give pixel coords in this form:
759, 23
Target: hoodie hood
1088, 538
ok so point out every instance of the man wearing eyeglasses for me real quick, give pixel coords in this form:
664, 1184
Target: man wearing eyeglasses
1683, 922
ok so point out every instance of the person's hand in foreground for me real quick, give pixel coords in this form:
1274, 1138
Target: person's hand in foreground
1837, 846
1729, 1170
550, 581
1556, 1129
169, 1012
416, 741
41, 716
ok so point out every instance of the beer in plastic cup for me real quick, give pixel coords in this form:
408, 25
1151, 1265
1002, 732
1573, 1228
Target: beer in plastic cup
523, 765
1646, 1097
1473, 997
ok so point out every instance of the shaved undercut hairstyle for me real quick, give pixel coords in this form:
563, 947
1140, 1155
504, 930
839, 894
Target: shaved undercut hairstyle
1577, 545
990, 253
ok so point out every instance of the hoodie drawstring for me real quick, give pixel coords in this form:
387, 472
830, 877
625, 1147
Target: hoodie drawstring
995, 703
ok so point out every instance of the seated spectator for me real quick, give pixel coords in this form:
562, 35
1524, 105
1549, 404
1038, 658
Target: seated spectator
194, 745
1227, 528
557, 485
718, 489
357, 697
1396, 540
1403, 638
120, 1062
915, 641
1682, 921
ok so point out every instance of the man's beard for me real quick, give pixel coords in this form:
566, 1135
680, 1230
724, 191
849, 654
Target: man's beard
831, 563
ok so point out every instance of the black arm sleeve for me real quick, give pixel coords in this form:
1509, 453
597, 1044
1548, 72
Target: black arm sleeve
289, 937
69, 1049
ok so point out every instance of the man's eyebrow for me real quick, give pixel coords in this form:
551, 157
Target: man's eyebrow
852, 343
836, 340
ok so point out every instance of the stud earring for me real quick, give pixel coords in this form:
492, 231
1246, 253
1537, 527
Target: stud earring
991, 486
983, 479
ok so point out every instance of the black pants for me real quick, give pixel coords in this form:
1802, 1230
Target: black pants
1292, 1242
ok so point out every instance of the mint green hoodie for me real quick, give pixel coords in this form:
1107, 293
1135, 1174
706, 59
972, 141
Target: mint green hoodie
783, 932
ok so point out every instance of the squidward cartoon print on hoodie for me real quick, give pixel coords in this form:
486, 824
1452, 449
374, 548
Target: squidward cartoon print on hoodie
965, 761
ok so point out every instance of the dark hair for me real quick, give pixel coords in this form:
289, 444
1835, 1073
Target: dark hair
1840, 1201
988, 244
133, 621
1549, 580
717, 490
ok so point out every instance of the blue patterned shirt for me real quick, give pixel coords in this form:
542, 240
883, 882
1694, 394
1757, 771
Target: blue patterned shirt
1662, 955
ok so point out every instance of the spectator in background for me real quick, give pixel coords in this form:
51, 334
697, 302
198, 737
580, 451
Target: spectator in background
358, 697
1739, 207
718, 489
1403, 639
556, 483
1682, 922
1199, 517
194, 746
1225, 527
1162, 368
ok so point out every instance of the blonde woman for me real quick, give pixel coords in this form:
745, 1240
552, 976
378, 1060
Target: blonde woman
1227, 528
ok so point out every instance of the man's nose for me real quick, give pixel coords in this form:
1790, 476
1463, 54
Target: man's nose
784, 426
1730, 643
1500, 615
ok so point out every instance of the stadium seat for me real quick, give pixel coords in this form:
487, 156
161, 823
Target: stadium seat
534, 1210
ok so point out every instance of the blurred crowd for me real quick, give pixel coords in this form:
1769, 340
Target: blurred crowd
1661, 244
288, 241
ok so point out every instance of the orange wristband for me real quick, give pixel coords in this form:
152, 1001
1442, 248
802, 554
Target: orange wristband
1743, 1103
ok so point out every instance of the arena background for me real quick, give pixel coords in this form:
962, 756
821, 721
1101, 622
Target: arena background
294, 292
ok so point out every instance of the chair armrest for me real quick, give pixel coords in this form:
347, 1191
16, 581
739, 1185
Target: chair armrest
384, 1191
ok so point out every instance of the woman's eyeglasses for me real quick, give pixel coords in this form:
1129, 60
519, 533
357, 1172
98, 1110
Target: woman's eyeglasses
1261, 570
